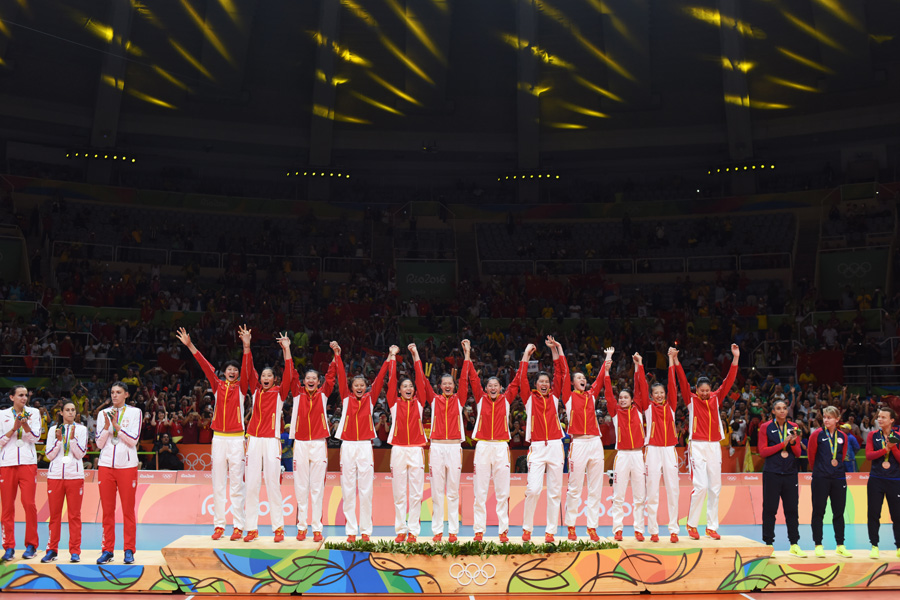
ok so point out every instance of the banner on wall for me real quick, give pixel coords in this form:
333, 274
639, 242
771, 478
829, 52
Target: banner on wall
863, 269
426, 279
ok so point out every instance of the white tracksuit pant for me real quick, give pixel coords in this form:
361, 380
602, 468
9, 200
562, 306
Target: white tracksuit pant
549, 457
228, 463
357, 474
662, 462
310, 464
491, 462
629, 468
706, 475
585, 458
407, 463
445, 462
263, 462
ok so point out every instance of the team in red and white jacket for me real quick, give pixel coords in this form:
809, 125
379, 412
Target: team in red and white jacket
65, 480
660, 457
20, 429
357, 461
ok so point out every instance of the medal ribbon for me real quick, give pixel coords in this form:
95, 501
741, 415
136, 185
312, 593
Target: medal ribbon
832, 443
65, 440
782, 432
120, 416
19, 431
884, 443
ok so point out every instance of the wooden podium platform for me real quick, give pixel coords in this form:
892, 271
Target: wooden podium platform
198, 565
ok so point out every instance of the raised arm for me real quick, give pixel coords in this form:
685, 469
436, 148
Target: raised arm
524, 386
462, 392
683, 384
329, 378
423, 387
641, 391
473, 379
252, 375
341, 371
287, 376
672, 390
379, 381
207, 368
732, 373
562, 378
392, 377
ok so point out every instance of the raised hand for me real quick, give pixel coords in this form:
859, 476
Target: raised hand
183, 336
466, 345
244, 334
637, 358
284, 341
336, 348
550, 342
609, 352
529, 349
393, 350
672, 353
735, 350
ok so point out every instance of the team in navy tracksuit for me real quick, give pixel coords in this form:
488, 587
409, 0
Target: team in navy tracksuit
828, 447
884, 479
779, 444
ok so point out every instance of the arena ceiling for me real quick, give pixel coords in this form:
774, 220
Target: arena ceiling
438, 68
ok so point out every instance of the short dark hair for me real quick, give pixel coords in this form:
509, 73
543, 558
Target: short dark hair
231, 363
702, 380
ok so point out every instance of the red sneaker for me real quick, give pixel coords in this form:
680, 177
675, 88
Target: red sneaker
572, 535
548, 538
639, 536
317, 536
479, 536
673, 538
401, 537
351, 539
593, 534
712, 533
618, 536
364, 537
218, 533
692, 532
452, 538
410, 538
437, 537
301, 535
251, 535
279, 535
526, 535
236, 534
654, 538
504, 537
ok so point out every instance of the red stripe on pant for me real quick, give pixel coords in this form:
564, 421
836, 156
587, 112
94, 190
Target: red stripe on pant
71, 492
125, 482
13, 479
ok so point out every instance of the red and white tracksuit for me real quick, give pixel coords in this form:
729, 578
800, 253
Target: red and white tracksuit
65, 482
264, 444
445, 452
407, 438
356, 432
118, 469
629, 464
18, 471
586, 454
227, 451
310, 431
491, 451
705, 449
662, 461
545, 453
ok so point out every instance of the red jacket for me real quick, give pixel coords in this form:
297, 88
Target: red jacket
265, 420
492, 422
228, 411
356, 413
446, 411
629, 428
580, 406
662, 416
406, 415
542, 411
706, 426
308, 420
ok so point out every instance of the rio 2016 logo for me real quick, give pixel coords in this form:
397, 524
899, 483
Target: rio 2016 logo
207, 507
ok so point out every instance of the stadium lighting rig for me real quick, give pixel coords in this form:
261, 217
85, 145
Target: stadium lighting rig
741, 167
99, 154
308, 172
530, 175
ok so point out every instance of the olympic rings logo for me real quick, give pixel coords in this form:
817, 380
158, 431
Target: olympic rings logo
466, 575
197, 462
854, 269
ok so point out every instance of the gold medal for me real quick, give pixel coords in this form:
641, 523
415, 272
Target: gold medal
784, 454
834, 463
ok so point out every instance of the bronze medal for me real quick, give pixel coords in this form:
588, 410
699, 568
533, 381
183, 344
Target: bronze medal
834, 463
885, 465
784, 454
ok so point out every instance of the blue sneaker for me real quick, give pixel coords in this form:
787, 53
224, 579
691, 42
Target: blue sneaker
129, 557
75, 558
9, 554
49, 557
105, 557
30, 551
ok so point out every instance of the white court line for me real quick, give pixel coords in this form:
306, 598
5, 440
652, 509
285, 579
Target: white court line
473, 597
742, 594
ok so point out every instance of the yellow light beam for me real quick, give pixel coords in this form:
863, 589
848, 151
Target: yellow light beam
323, 111
746, 102
376, 103
112, 82
4, 29
360, 13
835, 8
811, 31
349, 119
741, 65
232, 11
715, 18
340, 51
145, 12
534, 90
207, 31
791, 84
393, 49
584, 111
441, 5
805, 61
596, 88
149, 98
393, 88
171, 78
336, 80
190, 58
557, 125
617, 23
412, 22
880, 39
